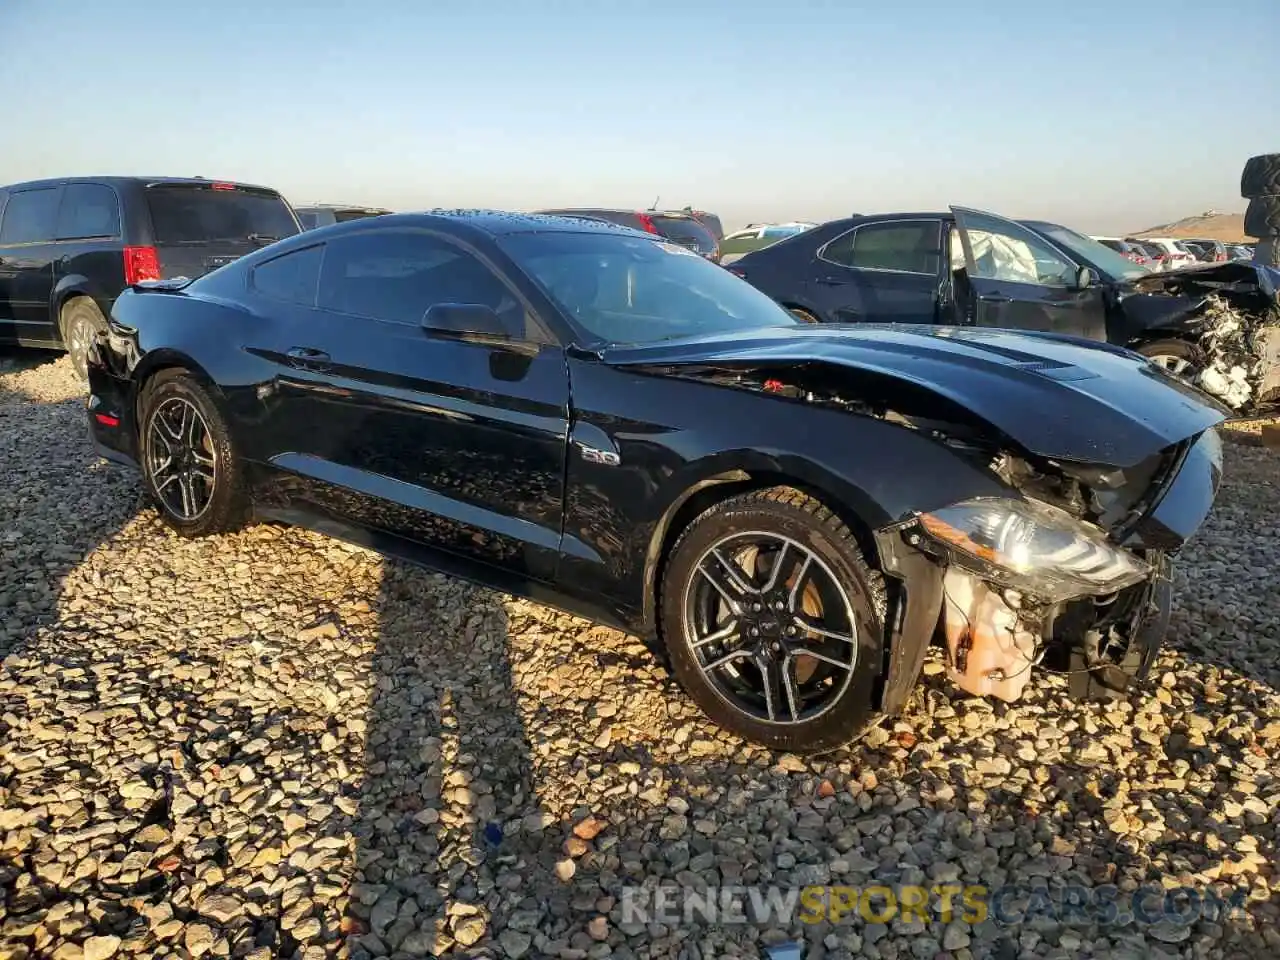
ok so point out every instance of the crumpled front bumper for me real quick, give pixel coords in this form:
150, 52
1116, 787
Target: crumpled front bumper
994, 642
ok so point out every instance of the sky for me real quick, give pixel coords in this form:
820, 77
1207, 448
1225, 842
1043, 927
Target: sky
1107, 116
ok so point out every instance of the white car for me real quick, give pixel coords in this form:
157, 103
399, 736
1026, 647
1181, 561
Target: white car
1175, 255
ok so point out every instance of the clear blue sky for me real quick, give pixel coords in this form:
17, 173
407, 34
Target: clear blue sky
1110, 116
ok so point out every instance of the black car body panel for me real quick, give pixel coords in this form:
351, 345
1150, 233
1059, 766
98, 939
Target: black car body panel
71, 237
1058, 397
561, 469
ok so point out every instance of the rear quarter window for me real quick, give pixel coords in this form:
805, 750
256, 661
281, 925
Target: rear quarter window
294, 277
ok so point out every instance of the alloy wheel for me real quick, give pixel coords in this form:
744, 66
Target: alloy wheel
77, 344
771, 627
181, 460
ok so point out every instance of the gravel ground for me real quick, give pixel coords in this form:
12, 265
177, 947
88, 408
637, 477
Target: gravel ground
271, 744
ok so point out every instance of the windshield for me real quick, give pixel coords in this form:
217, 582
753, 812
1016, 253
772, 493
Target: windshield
199, 214
1104, 258
634, 290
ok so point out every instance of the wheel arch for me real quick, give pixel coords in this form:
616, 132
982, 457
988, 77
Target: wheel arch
156, 362
68, 289
855, 508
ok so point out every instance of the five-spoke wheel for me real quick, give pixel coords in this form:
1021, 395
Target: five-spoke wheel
772, 628
773, 620
189, 463
181, 462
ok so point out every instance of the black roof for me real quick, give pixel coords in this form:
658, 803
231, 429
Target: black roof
498, 223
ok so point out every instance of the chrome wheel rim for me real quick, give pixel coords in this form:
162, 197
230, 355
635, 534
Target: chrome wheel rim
181, 460
770, 627
1178, 366
78, 346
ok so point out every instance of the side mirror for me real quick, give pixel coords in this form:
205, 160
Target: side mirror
1085, 278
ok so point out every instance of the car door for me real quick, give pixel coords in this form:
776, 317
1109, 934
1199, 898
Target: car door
457, 446
26, 264
886, 271
1006, 275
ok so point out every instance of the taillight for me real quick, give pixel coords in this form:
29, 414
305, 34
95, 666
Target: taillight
140, 263
646, 223
224, 186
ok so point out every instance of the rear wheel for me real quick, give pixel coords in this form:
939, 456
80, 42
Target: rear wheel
189, 464
1179, 357
774, 621
80, 322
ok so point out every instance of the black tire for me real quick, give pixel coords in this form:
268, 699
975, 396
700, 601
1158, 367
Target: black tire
1262, 217
842, 700
227, 500
1261, 176
803, 315
79, 322
1186, 359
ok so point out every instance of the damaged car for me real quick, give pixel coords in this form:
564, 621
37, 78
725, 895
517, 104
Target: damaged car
599, 419
1216, 326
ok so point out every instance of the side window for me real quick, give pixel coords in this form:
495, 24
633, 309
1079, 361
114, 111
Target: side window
30, 216
88, 211
395, 275
905, 247
1008, 252
293, 277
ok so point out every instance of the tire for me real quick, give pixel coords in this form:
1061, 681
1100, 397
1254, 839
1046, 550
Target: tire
1262, 216
79, 322
223, 502
804, 316
820, 705
1261, 176
1183, 358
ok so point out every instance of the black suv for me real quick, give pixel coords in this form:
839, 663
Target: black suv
678, 227
68, 247
324, 214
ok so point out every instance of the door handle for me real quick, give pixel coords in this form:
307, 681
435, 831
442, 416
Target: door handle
994, 298
308, 357
831, 281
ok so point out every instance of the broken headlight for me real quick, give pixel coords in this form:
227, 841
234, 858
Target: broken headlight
1032, 546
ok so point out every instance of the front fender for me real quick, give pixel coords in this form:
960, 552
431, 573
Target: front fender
673, 440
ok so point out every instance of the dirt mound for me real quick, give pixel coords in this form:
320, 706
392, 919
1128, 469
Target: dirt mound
1210, 225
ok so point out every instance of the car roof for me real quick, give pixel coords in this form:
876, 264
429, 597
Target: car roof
492, 223
150, 181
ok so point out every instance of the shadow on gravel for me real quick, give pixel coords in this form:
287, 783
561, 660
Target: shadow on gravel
449, 829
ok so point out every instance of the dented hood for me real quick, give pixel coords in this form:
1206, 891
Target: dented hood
1057, 397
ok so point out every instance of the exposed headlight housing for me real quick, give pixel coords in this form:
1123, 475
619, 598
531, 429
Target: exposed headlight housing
1032, 546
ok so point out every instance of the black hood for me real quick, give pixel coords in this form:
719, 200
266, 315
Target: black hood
1058, 397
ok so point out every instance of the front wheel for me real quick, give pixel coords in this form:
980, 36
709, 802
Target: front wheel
774, 621
1182, 359
190, 467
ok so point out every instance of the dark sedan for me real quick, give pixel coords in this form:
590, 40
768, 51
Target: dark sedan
600, 419
972, 268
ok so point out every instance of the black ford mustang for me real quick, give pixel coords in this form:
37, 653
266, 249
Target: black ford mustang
599, 419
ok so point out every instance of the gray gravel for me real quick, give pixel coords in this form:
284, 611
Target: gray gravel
271, 744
